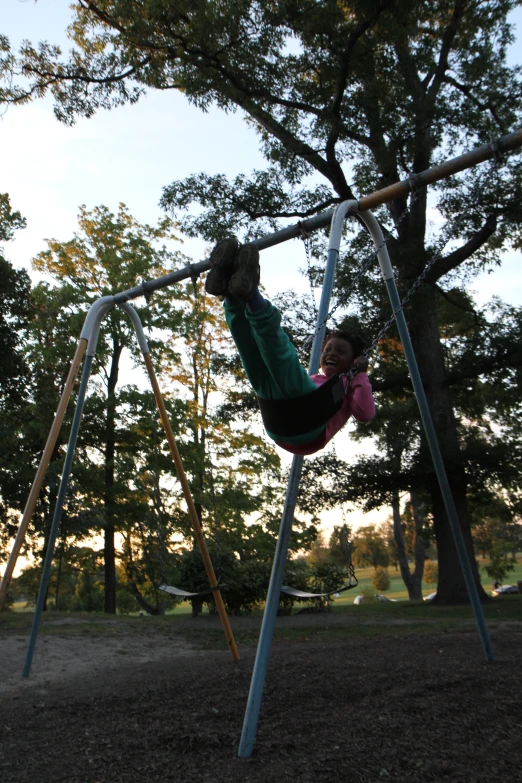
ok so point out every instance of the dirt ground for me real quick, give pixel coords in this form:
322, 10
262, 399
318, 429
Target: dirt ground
148, 706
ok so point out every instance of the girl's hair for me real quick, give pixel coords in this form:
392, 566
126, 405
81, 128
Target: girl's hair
355, 341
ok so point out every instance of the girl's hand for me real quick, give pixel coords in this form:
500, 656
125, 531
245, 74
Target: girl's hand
361, 363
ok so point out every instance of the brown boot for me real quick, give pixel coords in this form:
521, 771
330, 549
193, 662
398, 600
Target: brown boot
245, 279
221, 267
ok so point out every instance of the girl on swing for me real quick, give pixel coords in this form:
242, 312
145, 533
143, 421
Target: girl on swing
269, 358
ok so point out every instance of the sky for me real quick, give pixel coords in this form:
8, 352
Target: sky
129, 154
125, 155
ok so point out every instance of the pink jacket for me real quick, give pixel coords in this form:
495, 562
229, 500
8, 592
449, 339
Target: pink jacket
358, 400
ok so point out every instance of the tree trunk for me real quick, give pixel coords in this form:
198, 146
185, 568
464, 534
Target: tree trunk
419, 547
412, 585
197, 606
110, 448
159, 609
58, 577
451, 587
48, 502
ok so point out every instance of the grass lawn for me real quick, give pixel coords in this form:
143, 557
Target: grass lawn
401, 619
397, 589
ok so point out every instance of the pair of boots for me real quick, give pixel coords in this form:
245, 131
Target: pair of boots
234, 270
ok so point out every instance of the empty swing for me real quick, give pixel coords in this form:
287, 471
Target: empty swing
352, 582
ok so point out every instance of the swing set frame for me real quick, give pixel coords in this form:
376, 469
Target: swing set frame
85, 351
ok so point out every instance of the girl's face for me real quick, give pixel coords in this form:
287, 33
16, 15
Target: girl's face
337, 357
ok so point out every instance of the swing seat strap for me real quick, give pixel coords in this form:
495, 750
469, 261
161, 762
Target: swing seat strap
299, 415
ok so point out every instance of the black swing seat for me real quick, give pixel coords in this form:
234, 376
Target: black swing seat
298, 415
185, 594
302, 594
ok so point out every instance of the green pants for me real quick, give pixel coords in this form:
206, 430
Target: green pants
269, 358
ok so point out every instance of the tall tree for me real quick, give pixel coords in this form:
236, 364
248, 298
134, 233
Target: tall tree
345, 98
15, 310
110, 252
16, 314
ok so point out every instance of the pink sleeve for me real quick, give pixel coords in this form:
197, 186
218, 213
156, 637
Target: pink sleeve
363, 404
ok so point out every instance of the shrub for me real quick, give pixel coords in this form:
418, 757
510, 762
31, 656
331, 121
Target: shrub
501, 563
381, 579
88, 595
125, 602
297, 574
431, 572
369, 595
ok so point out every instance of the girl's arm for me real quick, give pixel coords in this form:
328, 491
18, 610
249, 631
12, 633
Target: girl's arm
363, 404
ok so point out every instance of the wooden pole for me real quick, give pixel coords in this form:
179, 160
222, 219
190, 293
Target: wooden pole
42, 469
191, 508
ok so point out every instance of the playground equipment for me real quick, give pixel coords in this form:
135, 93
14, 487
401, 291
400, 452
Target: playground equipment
87, 346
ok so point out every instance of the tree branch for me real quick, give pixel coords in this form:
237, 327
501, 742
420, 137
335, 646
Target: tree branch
447, 264
453, 302
312, 211
484, 365
447, 42
342, 81
54, 77
466, 90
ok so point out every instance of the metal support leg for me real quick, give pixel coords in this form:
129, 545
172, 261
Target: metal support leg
44, 583
42, 469
442, 476
196, 524
269, 617
449, 504
89, 336
255, 695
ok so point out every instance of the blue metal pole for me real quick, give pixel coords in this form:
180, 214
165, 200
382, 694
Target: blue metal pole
255, 695
389, 278
57, 514
440, 470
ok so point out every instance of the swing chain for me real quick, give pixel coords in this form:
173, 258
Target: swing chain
342, 300
401, 306
305, 236
350, 375
146, 292
498, 155
157, 498
213, 534
160, 508
194, 275
346, 547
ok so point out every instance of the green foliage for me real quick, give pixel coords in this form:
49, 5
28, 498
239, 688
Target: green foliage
9, 221
244, 584
125, 602
88, 594
381, 579
340, 545
247, 586
501, 562
319, 552
370, 547
26, 585
16, 314
327, 577
369, 596
431, 572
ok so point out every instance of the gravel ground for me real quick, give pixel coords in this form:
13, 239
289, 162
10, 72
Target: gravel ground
147, 708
